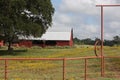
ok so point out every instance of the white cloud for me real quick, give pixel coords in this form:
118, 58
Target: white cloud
91, 28
78, 6
83, 6
84, 17
114, 25
108, 36
63, 18
105, 1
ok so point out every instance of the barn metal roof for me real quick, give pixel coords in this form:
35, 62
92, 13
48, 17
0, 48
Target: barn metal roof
51, 35
56, 36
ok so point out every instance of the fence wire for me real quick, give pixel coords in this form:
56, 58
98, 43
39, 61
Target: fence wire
112, 67
75, 69
94, 69
59, 69
34, 70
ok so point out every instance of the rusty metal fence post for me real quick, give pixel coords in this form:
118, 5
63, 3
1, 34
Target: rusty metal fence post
6, 65
102, 34
86, 69
102, 39
103, 66
64, 70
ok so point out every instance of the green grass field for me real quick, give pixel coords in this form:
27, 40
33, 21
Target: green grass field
52, 70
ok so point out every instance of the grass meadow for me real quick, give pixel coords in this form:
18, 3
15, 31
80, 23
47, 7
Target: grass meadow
52, 70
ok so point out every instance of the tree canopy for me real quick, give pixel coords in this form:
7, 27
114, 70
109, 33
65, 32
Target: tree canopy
88, 41
24, 17
116, 40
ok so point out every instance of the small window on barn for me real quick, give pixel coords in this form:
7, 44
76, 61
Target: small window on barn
37, 42
51, 43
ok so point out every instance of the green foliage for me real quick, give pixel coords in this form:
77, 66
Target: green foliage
116, 40
76, 40
108, 43
24, 17
88, 41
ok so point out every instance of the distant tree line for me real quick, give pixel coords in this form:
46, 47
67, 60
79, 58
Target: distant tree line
88, 41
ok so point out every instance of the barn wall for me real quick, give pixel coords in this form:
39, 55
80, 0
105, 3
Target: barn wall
71, 39
1, 43
62, 43
28, 43
71, 42
25, 43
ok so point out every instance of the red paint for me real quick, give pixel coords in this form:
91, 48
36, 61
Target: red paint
15, 45
71, 39
64, 69
25, 43
6, 69
1, 43
66, 43
85, 69
62, 43
108, 5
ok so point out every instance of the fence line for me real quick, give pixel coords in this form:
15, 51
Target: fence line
64, 64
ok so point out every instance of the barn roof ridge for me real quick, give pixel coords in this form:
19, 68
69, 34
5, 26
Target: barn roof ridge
51, 35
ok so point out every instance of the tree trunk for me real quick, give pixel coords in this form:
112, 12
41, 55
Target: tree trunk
10, 49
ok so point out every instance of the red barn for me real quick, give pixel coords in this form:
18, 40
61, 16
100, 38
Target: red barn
50, 38
1, 43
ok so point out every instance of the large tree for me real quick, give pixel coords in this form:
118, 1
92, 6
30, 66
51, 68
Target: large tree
116, 40
24, 17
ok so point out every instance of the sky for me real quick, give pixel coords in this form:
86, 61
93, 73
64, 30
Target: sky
84, 17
